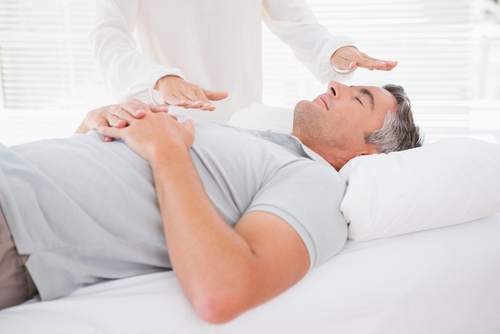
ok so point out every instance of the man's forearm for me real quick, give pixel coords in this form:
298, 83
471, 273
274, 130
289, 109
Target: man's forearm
211, 260
223, 271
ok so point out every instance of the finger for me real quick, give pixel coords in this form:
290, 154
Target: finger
111, 132
116, 122
344, 64
371, 64
102, 120
106, 139
199, 95
207, 105
158, 108
390, 65
174, 100
197, 104
122, 114
215, 96
189, 124
197, 99
136, 108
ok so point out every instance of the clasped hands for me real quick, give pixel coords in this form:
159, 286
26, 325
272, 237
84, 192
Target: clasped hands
147, 129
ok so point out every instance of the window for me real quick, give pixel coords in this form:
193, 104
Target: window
47, 72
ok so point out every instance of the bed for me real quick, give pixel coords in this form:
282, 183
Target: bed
429, 267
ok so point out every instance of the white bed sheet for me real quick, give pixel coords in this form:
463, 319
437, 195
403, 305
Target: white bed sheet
441, 281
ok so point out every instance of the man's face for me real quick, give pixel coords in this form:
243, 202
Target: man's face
335, 123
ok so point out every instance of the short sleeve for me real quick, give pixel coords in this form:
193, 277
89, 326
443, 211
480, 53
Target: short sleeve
307, 196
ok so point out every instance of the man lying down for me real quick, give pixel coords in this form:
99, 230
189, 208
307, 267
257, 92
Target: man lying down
240, 215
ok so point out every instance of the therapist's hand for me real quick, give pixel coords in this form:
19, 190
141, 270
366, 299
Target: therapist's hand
349, 57
176, 91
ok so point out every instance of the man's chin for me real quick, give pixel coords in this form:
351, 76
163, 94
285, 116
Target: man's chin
300, 105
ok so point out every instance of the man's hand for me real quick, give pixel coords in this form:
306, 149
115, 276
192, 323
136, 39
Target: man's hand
176, 91
348, 58
98, 118
149, 134
104, 116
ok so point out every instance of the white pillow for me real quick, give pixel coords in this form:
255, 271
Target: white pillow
448, 182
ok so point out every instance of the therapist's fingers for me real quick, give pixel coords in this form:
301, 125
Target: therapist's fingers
389, 64
215, 96
375, 64
349, 57
196, 98
178, 92
183, 101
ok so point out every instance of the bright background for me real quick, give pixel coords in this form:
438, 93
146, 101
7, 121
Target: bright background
448, 53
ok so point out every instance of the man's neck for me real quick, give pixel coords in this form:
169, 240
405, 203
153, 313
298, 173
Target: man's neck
327, 155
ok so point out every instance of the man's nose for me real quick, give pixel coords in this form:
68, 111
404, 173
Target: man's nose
335, 88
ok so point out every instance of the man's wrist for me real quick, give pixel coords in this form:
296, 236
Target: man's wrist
169, 154
84, 126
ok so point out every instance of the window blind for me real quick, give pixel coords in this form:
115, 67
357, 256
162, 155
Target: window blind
47, 71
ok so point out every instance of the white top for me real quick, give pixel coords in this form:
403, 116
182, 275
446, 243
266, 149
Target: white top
213, 44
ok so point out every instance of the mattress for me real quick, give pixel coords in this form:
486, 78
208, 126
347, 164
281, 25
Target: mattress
443, 280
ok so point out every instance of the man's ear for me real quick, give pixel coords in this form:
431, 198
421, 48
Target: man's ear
369, 149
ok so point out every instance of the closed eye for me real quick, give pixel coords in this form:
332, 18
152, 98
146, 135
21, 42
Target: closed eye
360, 101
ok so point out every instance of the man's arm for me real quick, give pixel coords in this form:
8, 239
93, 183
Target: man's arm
223, 271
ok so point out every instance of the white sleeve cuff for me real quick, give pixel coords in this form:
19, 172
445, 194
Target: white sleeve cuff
154, 95
325, 69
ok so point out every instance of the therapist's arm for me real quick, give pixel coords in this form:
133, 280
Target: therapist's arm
224, 271
126, 73
294, 22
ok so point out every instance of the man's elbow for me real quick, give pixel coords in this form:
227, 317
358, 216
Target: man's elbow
218, 310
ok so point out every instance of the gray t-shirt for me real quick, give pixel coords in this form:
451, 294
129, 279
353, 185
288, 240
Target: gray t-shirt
87, 211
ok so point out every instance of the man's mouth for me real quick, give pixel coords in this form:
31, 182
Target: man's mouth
322, 98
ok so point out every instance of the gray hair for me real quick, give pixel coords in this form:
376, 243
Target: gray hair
399, 131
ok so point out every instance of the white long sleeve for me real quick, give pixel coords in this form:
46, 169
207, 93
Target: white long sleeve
215, 44
294, 23
126, 73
